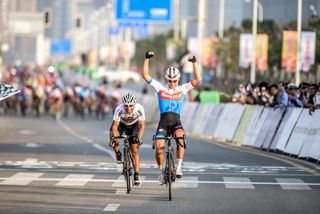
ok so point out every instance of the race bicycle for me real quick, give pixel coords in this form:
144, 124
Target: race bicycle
127, 159
169, 169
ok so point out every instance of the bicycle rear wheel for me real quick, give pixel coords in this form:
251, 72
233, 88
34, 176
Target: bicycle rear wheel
126, 167
169, 171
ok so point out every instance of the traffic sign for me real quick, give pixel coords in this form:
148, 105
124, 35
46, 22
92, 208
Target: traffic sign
144, 10
62, 46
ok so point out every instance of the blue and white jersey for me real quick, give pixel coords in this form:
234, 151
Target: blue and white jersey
171, 100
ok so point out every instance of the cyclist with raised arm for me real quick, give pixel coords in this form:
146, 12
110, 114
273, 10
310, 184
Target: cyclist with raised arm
170, 101
129, 118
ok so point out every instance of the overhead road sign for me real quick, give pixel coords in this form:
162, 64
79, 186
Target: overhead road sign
62, 46
144, 10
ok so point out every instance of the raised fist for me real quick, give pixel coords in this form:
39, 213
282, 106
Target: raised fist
149, 54
192, 59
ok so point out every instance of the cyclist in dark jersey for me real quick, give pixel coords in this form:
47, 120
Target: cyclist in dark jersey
170, 103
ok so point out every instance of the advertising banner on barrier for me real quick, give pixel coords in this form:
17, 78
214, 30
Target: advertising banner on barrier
311, 144
299, 133
308, 47
254, 127
230, 119
289, 51
199, 119
270, 126
289, 120
187, 115
244, 124
213, 120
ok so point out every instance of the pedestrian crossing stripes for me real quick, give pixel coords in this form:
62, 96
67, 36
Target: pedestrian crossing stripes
238, 183
292, 183
21, 178
78, 180
75, 180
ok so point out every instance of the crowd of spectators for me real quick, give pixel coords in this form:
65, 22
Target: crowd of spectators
280, 95
44, 91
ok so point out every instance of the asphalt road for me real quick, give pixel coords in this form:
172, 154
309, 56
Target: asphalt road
65, 166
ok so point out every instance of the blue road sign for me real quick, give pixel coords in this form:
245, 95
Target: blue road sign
62, 46
144, 10
113, 31
133, 24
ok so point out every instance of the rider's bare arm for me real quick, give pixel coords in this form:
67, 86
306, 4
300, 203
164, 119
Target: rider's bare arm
197, 75
114, 129
141, 125
145, 71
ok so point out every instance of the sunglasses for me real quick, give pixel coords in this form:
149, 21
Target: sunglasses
128, 106
172, 81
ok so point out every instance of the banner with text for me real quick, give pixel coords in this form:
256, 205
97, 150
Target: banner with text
308, 46
289, 51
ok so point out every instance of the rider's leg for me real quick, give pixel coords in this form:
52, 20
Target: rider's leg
159, 152
115, 146
160, 159
136, 157
180, 151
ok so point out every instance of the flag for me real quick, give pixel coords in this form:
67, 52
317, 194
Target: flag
7, 91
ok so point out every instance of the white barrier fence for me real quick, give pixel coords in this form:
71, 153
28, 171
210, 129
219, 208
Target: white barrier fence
293, 131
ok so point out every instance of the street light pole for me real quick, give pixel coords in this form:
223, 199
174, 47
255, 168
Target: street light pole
221, 28
298, 41
201, 16
254, 36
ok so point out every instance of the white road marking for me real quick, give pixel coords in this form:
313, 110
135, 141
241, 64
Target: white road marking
101, 148
111, 207
186, 182
75, 180
26, 132
35, 178
21, 178
120, 182
32, 145
292, 183
238, 183
121, 191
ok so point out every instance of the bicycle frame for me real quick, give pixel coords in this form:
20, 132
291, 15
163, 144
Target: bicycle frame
169, 170
127, 164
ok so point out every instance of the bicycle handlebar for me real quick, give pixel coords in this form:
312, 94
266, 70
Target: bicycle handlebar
124, 137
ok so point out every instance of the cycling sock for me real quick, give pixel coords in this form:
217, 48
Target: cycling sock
179, 163
160, 167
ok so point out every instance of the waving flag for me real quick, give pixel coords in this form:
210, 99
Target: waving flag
7, 91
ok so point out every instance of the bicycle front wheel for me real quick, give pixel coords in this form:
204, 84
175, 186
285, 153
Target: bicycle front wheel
126, 167
170, 170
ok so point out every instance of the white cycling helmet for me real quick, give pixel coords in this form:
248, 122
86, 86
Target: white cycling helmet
172, 73
129, 99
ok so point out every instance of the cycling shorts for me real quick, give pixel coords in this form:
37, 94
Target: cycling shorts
132, 129
168, 124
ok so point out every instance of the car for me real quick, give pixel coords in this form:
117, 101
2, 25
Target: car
116, 75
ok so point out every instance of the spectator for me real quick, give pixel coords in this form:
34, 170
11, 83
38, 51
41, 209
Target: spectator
273, 89
282, 95
240, 95
315, 98
294, 100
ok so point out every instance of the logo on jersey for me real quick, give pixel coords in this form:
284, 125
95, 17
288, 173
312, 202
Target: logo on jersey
167, 96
